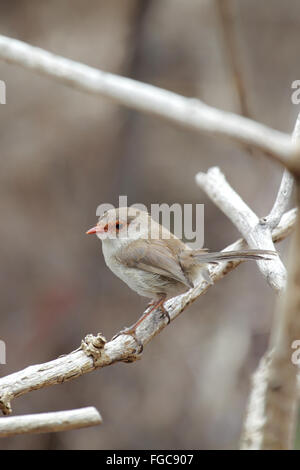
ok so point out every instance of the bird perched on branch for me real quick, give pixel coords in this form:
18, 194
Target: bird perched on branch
154, 262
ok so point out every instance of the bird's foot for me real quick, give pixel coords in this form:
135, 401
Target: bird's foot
164, 313
160, 305
131, 331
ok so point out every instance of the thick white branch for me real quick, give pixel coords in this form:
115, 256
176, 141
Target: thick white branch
122, 348
187, 112
256, 234
50, 422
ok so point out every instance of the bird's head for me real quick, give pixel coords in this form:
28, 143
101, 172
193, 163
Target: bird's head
123, 224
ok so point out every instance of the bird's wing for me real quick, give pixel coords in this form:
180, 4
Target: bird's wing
154, 256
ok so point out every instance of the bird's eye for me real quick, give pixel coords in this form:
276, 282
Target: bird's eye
106, 228
119, 226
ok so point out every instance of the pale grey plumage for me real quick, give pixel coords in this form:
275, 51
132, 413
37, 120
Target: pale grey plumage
151, 260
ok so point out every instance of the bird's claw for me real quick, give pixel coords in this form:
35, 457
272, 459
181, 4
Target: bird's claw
131, 332
165, 314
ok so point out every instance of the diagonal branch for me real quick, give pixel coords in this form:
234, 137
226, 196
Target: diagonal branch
95, 352
190, 113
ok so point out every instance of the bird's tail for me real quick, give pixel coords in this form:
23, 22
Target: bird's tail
203, 256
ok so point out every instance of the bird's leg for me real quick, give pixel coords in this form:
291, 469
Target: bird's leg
132, 329
160, 304
155, 304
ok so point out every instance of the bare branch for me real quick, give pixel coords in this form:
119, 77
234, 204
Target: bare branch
272, 411
187, 112
96, 352
50, 422
286, 188
230, 43
256, 234
252, 436
282, 200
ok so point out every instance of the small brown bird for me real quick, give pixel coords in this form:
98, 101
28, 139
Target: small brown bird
154, 262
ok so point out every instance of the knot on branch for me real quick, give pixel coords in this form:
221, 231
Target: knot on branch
5, 405
93, 346
263, 221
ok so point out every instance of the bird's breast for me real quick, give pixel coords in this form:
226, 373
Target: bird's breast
146, 284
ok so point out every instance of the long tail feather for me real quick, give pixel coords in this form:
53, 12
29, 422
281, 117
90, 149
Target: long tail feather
207, 257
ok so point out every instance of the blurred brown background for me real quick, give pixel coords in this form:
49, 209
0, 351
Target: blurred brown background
64, 152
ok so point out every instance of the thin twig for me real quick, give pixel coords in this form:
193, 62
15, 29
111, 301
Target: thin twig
286, 188
229, 36
188, 112
96, 352
50, 422
282, 200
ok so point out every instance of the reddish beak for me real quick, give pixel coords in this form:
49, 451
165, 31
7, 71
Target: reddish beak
94, 230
